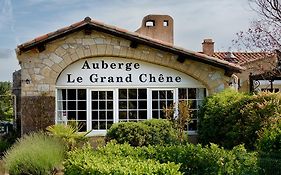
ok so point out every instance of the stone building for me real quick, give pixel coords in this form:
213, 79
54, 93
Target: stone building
94, 75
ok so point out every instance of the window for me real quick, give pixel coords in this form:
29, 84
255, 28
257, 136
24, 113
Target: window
102, 110
72, 107
195, 97
97, 110
165, 23
150, 23
132, 104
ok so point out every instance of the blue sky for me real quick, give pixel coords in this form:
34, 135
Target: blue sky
194, 20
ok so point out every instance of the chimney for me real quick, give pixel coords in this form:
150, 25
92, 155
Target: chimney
158, 27
208, 47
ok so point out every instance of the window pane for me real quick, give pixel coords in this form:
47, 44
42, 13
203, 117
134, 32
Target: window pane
102, 125
110, 115
95, 105
154, 94
133, 115
95, 125
71, 105
82, 115
122, 105
122, 93
109, 104
71, 94
95, 115
162, 94
109, 95
163, 104
101, 95
142, 114
101, 104
71, 115
155, 105
192, 126
170, 95
182, 93
122, 115
132, 104
102, 114
191, 93
81, 94
142, 105
155, 114
109, 124
142, 94
82, 105
132, 93
95, 95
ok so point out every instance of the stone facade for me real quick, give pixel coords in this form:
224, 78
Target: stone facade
42, 68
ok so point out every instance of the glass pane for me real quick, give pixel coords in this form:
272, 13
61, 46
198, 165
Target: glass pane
71, 94
182, 93
142, 105
170, 95
95, 105
109, 114
199, 103
122, 93
63, 94
81, 94
132, 93
162, 114
95, 115
192, 125
192, 104
170, 103
71, 115
191, 93
101, 104
109, 104
82, 125
162, 94
102, 114
71, 105
109, 95
95, 125
122, 115
154, 94
142, 94
64, 105
194, 114
132, 104
142, 114
82, 115
109, 124
133, 115
155, 105
95, 95
155, 114
59, 115
82, 105
101, 94
122, 105
201, 93
102, 124
163, 104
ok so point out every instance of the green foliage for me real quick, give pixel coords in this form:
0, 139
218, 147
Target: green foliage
36, 153
230, 118
86, 161
194, 159
155, 131
270, 163
68, 134
6, 141
6, 107
270, 139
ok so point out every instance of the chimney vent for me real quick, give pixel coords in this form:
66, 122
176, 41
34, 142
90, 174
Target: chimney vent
230, 57
208, 47
158, 27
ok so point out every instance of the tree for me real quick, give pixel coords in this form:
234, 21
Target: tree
6, 107
264, 34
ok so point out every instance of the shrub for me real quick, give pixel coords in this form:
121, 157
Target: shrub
85, 161
36, 153
155, 131
194, 159
230, 118
68, 134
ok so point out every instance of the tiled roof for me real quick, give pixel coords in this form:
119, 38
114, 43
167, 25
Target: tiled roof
88, 23
241, 57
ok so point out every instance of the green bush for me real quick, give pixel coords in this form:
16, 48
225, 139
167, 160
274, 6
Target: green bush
36, 153
270, 163
68, 134
155, 131
86, 161
194, 159
230, 118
